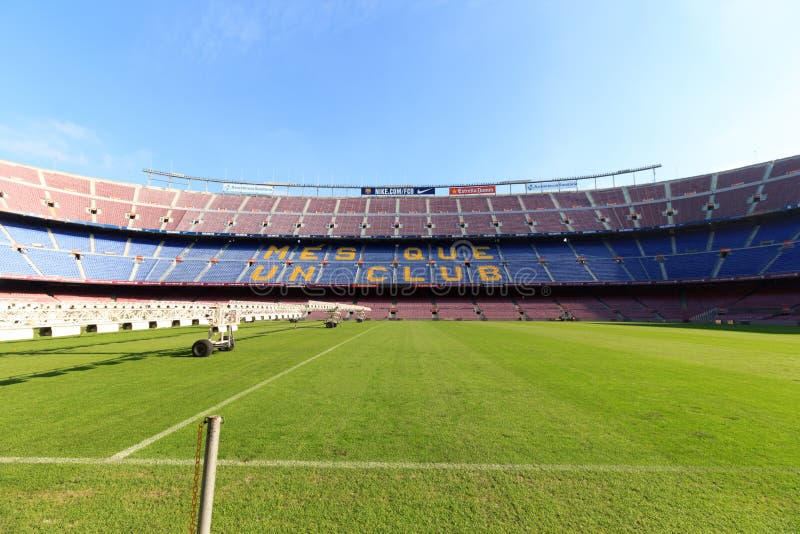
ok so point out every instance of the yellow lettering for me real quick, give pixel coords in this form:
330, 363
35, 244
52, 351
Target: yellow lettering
282, 251
443, 256
413, 254
407, 275
298, 271
371, 274
308, 253
479, 253
489, 273
258, 270
457, 276
346, 254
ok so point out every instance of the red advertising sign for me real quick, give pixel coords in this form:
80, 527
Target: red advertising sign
474, 190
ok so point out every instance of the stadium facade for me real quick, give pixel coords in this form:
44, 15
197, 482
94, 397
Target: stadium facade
722, 246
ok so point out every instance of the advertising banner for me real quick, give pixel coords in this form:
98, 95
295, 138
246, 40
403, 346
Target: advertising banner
247, 189
474, 190
398, 191
550, 186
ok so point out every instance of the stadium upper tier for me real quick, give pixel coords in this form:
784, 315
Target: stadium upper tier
756, 189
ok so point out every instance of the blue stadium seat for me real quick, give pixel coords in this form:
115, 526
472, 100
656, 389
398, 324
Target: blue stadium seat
656, 244
172, 249
223, 272
69, 240
143, 247
526, 272
777, 230
376, 273
692, 241
26, 234
109, 243
788, 261
608, 270
731, 236
690, 266
240, 251
513, 252
338, 273
186, 271
152, 270
101, 267
13, 262
747, 261
203, 251
54, 263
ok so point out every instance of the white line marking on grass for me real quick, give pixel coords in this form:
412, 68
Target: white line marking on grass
445, 466
48, 460
411, 466
174, 428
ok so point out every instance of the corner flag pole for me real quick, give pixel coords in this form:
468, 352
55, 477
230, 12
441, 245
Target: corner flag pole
209, 475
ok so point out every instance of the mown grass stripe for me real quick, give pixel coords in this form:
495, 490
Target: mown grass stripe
410, 466
174, 428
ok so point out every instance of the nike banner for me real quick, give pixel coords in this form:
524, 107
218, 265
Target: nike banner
398, 191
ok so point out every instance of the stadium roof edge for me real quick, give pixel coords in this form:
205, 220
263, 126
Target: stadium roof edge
438, 186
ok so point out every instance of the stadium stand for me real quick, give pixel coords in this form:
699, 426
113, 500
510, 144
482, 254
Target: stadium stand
690, 201
726, 228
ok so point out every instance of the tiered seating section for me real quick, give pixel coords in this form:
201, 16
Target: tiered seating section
750, 190
734, 250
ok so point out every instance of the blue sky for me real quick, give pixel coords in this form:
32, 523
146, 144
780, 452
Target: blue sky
419, 92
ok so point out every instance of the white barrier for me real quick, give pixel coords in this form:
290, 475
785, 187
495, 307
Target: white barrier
65, 330
57, 319
15, 334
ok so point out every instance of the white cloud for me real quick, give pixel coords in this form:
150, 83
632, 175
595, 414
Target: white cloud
72, 130
227, 24
68, 146
48, 142
238, 26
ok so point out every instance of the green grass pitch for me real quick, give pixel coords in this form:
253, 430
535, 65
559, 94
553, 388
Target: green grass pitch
411, 426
